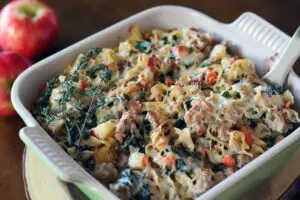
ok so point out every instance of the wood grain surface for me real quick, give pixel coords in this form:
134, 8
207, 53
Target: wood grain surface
80, 18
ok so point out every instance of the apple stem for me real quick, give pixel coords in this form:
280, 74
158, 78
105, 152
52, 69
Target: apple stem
29, 10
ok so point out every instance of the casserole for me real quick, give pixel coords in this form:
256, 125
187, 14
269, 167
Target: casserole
245, 34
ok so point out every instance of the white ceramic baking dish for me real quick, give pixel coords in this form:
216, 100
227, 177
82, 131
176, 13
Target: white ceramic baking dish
251, 35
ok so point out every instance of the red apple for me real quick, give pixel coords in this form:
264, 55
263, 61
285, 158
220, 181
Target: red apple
28, 27
11, 65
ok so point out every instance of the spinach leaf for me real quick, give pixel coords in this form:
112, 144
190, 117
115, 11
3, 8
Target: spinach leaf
272, 90
187, 104
142, 45
181, 151
180, 123
226, 94
270, 140
135, 141
92, 53
181, 165
137, 183
105, 74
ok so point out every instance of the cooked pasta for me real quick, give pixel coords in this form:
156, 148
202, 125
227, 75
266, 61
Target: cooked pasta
164, 115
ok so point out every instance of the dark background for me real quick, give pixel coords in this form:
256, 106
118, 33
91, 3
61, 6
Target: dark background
80, 18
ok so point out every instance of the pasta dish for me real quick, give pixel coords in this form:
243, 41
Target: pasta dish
166, 114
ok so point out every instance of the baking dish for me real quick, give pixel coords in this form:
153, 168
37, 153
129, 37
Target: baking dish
249, 34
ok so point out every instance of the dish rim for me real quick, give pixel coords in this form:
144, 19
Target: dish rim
216, 189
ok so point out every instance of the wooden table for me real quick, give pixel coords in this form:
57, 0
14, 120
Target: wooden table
80, 18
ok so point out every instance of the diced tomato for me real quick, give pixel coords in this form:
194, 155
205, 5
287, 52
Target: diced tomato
170, 161
169, 81
229, 161
83, 84
287, 104
248, 132
212, 77
146, 161
153, 62
147, 36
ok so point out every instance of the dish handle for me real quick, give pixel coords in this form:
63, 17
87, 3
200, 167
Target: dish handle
254, 28
63, 166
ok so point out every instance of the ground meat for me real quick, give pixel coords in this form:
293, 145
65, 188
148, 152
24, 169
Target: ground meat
122, 161
127, 123
195, 117
120, 190
106, 172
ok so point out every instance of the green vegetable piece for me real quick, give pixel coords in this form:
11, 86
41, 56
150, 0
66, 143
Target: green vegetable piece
92, 53
270, 140
237, 95
105, 74
174, 37
226, 94
205, 63
142, 45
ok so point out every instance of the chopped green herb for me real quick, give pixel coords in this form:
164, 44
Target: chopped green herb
44, 98
226, 94
47, 116
105, 74
175, 38
205, 63
165, 40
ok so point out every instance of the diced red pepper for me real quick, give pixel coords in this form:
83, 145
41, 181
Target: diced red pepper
248, 132
153, 62
229, 161
147, 36
212, 77
169, 81
146, 161
83, 84
170, 161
